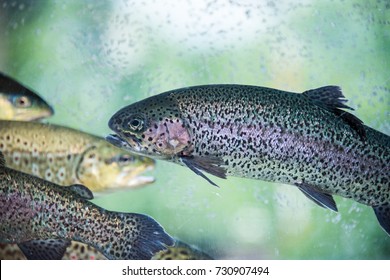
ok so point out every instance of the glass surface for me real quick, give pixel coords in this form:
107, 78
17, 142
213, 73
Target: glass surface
90, 58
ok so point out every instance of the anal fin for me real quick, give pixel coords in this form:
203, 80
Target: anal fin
382, 213
48, 249
322, 199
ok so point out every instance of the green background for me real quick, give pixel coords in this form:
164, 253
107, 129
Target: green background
90, 58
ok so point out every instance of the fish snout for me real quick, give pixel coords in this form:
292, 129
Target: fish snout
112, 122
115, 140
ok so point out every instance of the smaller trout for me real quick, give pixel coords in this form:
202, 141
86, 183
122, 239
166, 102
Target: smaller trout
20, 103
66, 156
42, 218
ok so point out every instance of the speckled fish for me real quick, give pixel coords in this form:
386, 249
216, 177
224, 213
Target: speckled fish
66, 156
75, 251
307, 140
20, 103
42, 218
80, 251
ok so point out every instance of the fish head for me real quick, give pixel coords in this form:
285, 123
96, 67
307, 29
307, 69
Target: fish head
104, 167
153, 127
20, 103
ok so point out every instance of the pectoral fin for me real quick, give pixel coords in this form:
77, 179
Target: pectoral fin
49, 249
322, 199
210, 165
382, 213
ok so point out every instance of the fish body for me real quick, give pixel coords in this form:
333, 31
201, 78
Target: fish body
66, 156
17, 102
75, 251
307, 140
42, 218
81, 251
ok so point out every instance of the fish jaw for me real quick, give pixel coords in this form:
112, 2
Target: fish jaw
128, 144
33, 114
130, 177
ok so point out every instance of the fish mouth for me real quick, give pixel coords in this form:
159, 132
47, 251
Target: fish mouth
32, 115
137, 181
120, 142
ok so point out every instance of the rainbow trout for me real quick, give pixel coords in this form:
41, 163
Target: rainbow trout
20, 103
66, 156
42, 218
307, 140
80, 251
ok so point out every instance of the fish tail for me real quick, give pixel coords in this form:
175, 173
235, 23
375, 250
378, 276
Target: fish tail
382, 213
133, 236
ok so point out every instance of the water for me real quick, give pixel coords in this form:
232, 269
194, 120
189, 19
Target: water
88, 59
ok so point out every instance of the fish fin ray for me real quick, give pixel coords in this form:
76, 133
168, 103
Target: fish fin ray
82, 191
149, 239
332, 99
209, 165
382, 213
48, 249
322, 199
2, 159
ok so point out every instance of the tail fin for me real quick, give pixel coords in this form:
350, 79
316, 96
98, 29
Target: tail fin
135, 237
382, 213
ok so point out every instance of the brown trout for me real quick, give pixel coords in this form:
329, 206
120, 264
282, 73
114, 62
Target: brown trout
307, 140
66, 156
20, 103
181, 251
80, 251
42, 218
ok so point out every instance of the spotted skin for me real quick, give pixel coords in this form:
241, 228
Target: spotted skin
76, 251
34, 209
181, 251
80, 251
20, 103
65, 156
262, 133
70, 157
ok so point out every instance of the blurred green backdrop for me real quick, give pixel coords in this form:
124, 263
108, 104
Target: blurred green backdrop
90, 58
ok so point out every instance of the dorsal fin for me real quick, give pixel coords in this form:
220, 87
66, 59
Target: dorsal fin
2, 159
82, 191
332, 99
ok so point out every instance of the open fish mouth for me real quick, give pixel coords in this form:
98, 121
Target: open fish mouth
118, 141
140, 181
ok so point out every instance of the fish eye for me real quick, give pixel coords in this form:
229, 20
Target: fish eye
120, 159
136, 123
21, 101
125, 158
